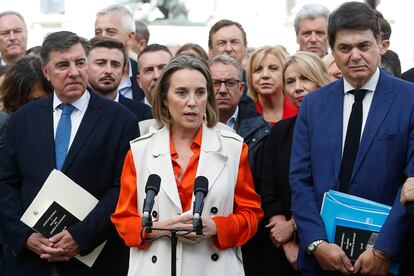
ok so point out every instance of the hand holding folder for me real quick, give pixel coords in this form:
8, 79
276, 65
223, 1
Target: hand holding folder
59, 204
353, 223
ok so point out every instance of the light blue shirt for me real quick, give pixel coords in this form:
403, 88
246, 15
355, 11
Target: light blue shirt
232, 121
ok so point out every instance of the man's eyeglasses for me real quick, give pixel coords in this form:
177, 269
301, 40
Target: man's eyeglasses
229, 83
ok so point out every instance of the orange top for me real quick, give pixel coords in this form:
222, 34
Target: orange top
233, 230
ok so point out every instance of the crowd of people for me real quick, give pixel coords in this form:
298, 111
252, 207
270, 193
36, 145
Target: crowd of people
268, 133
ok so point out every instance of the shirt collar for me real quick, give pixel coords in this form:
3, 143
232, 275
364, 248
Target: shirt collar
232, 120
126, 84
116, 99
196, 144
129, 68
370, 85
80, 104
147, 102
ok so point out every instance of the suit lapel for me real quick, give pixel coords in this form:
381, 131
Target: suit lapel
381, 103
211, 161
87, 125
46, 131
161, 165
334, 121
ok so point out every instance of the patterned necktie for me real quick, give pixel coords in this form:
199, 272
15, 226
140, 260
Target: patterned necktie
353, 136
63, 131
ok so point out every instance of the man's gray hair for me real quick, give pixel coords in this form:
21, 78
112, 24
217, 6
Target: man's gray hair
310, 11
15, 14
227, 60
141, 31
126, 16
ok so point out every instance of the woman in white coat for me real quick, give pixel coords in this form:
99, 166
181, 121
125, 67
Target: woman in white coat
188, 143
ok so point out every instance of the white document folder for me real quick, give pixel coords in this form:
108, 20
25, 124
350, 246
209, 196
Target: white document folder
61, 189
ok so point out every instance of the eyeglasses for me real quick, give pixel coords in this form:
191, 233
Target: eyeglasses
229, 83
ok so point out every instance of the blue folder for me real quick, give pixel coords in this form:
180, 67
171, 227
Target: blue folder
340, 209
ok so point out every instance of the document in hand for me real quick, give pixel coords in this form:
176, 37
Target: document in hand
59, 204
353, 223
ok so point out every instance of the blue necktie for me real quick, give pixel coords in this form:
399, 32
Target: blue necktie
63, 131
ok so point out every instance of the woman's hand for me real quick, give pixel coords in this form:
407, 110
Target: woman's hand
281, 230
291, 251
182, 222
209, 230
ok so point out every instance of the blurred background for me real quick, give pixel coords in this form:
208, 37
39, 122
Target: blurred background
175, 22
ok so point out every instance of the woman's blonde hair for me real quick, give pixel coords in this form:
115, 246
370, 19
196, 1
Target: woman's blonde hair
308, 65
257, 57
328, 60
159, 103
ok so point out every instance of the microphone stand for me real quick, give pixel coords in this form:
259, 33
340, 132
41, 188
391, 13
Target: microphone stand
173, 240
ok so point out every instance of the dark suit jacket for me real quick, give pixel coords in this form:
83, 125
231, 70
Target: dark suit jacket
137, 92
141, 110
408, 75
385, 158
3, 124
275, 188
94, 161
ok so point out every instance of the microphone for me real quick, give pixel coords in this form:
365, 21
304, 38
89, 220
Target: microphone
200, 192
151, 190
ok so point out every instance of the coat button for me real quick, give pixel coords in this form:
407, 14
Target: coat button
154, 259
214, 257
214, 210
254, 140
154, 214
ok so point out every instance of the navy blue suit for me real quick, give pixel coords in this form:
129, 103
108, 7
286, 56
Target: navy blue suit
141, 110
94, 161
384, 160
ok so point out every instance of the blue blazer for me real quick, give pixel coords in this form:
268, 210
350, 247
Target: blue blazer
385, 158
94, 161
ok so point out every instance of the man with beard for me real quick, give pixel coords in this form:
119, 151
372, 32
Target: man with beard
107, 61
117, 22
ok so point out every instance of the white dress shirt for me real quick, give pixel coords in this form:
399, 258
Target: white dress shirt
125, 88
366, 103
76, 116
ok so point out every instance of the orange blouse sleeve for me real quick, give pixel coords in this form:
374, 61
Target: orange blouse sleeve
126, 218
237, 228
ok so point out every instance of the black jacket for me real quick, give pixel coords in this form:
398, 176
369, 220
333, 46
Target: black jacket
254, 129
137, 92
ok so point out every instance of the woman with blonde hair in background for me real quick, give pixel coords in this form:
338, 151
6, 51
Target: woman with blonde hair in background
302, 72
265, 83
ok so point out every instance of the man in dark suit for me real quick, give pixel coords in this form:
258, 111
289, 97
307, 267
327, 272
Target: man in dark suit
356, 136
107, 61
117, 22
86, 137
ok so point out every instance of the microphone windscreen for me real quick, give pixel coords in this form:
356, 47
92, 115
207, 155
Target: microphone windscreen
201, 185
153, 183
